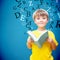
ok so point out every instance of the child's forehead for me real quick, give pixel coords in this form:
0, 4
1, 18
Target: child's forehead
41, 16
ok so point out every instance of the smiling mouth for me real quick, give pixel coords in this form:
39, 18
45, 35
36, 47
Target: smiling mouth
40, 23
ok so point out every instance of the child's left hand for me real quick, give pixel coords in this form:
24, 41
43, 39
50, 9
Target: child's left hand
51, 42
49, 39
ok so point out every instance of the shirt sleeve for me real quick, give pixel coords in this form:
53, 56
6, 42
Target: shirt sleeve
53, 37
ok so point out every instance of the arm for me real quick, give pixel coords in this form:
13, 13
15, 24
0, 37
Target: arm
52, 43
29, 43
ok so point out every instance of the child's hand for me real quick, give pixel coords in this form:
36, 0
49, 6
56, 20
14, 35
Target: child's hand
49, 39
51, 42
29, 43
30, 40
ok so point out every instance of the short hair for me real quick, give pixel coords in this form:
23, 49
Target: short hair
40, 12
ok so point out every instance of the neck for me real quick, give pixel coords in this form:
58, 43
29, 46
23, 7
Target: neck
41, 28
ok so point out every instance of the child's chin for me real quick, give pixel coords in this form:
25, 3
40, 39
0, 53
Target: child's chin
41, 26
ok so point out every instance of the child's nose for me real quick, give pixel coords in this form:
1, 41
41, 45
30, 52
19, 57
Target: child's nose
40, 20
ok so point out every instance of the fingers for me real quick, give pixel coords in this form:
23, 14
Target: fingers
30, 40
49, 39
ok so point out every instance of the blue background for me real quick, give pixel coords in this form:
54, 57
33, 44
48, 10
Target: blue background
13, 30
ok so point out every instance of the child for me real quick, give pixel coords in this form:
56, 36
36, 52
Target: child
40, 17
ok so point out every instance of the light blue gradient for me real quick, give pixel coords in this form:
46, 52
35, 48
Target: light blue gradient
13, 33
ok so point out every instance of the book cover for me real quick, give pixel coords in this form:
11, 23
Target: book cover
16, 20
40, 40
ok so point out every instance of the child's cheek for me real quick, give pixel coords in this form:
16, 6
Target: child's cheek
36, 21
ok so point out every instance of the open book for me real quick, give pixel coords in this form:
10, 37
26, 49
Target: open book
41, 39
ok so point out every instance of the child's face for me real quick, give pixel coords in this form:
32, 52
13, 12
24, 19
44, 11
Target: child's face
41, 21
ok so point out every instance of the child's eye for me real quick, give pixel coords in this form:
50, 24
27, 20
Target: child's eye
43, 18
38, 18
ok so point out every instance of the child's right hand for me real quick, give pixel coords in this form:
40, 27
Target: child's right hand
29, 43
30, 40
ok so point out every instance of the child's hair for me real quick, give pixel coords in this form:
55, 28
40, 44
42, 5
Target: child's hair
40, 12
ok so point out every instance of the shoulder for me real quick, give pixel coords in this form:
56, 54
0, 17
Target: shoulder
52, 35
50, 32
